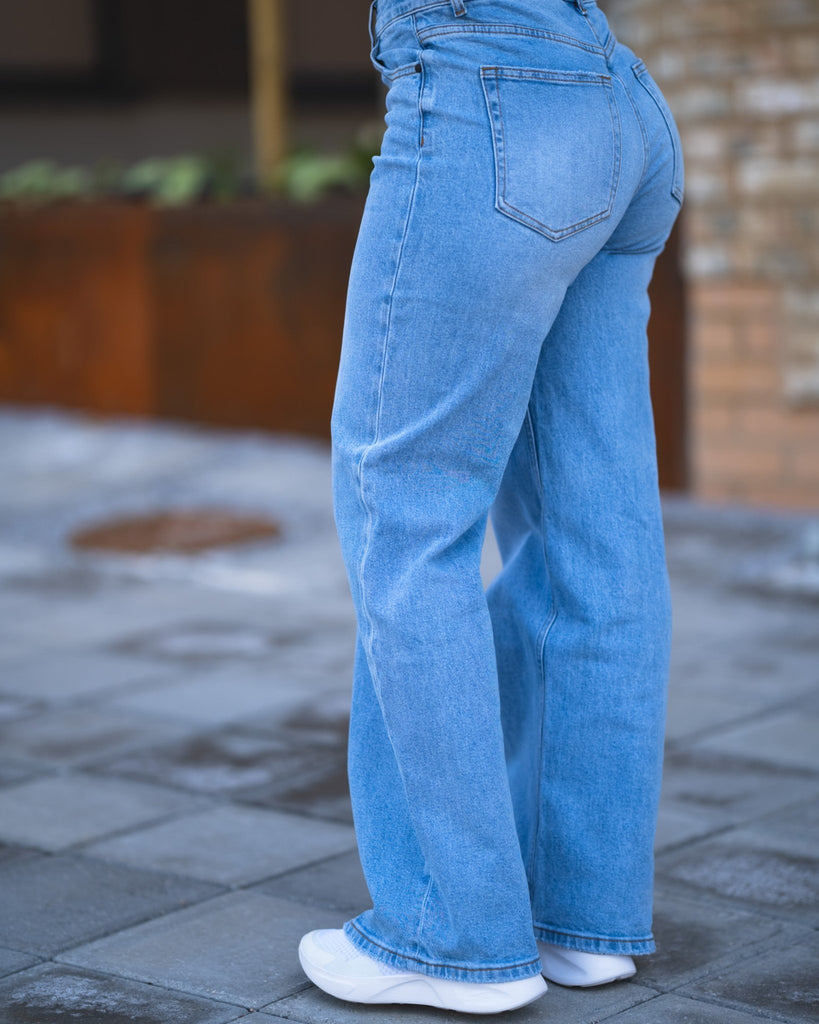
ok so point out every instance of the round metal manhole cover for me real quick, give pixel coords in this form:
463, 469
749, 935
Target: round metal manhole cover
176, 531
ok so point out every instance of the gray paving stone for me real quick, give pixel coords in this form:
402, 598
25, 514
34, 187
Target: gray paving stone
732, 658
54, 902
17, 769
741, 642
75, 735
214, 697
98, 620
675, 1009
285, 770
12, 961
221, 762
74, 674
9, 851
678, 824
10, 649
787, 738
718, 623
722, 617
336, 884
748, 868
12, 708
317, 786
705, 791
738, 836
239, 948
706, 695
226, 639
782, 983
50, 445
229, 845
312, 772
289, 633
560, 1005
60, 811
321, 716
58, 577
320, 663
55, 993
794, 829
694, 937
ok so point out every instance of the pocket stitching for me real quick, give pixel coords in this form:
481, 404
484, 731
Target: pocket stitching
502, 203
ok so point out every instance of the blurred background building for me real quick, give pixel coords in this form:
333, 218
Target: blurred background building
743, 81
735, 332
82, 80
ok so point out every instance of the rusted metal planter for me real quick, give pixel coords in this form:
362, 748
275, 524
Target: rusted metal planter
221, 314
227, 314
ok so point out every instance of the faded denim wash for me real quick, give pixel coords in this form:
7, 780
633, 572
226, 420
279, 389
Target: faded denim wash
505, 748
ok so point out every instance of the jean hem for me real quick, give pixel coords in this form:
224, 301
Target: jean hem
478, 974
596, 943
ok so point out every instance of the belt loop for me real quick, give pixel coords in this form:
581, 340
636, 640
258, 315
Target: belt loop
459, 7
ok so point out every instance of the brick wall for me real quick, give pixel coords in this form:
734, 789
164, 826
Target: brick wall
742, 77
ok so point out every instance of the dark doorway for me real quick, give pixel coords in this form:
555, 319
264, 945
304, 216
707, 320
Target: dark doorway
666, 348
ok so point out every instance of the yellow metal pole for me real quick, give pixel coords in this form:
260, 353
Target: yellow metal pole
268, 84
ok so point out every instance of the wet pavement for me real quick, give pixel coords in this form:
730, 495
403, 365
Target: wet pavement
173, 807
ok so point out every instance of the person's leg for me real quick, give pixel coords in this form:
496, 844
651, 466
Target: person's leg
397, 876
449, 303
581, 617
494, 188
581, 609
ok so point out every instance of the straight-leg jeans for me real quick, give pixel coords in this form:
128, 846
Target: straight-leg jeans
505, 747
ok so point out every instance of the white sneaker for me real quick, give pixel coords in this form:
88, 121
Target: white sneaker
331, 961
575, 969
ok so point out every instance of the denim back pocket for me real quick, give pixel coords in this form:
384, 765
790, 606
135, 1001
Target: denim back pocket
647, 82
556, 137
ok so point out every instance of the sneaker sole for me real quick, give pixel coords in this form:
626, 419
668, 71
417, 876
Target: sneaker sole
424, 990
568, 977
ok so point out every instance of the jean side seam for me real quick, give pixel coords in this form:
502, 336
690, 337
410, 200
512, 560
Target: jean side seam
422, 86
377, 427
543, 634
422, 917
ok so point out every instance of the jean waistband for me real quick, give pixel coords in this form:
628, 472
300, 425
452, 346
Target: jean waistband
384, 11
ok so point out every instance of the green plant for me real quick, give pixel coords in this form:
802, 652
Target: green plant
173, 181
40, 180
303, 176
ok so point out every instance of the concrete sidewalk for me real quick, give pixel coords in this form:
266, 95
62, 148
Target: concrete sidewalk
173, 813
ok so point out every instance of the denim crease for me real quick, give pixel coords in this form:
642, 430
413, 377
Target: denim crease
505, 746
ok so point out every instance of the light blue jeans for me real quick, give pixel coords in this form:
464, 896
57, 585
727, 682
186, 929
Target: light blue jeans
505, 748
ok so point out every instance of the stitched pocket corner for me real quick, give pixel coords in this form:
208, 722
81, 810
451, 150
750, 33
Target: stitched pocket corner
556, 138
